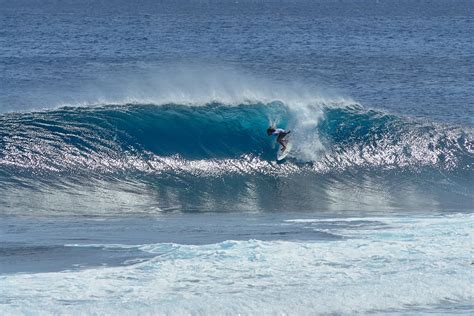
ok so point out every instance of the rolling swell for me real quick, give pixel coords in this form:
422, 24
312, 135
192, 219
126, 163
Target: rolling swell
215, 138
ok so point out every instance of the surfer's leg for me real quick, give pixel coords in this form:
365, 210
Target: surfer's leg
282, 142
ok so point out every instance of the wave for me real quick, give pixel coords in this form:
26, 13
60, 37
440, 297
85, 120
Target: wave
214, 157
215, 137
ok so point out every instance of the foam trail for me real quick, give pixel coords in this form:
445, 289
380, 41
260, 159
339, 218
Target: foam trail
392, 264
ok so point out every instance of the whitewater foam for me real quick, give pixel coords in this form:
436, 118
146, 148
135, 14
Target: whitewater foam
400, 264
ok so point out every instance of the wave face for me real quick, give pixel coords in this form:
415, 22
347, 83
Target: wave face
218, 156
114, 138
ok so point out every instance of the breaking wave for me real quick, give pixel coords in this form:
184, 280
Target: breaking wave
222, 138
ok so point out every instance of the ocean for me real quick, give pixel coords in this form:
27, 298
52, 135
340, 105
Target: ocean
137, 178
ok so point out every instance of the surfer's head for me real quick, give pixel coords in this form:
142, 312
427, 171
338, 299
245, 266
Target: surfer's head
270, 130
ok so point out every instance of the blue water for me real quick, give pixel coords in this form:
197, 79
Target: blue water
136, 175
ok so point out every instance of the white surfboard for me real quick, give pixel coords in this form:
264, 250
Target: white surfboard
282, 154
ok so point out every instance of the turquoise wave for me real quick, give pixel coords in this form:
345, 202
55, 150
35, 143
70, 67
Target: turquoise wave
115, 138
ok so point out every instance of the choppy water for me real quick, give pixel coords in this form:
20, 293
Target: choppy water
136, 174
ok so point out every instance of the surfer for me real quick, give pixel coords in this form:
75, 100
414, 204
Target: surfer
280, 133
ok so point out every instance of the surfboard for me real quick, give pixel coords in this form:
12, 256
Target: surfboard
282, 154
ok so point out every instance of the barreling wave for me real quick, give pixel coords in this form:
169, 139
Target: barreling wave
215, 138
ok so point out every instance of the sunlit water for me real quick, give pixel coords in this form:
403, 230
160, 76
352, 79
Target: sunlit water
136, 175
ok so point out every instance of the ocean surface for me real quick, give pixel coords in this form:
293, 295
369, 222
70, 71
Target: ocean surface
136, 176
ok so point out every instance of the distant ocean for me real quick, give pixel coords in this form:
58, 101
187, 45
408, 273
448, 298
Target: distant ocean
136, 175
